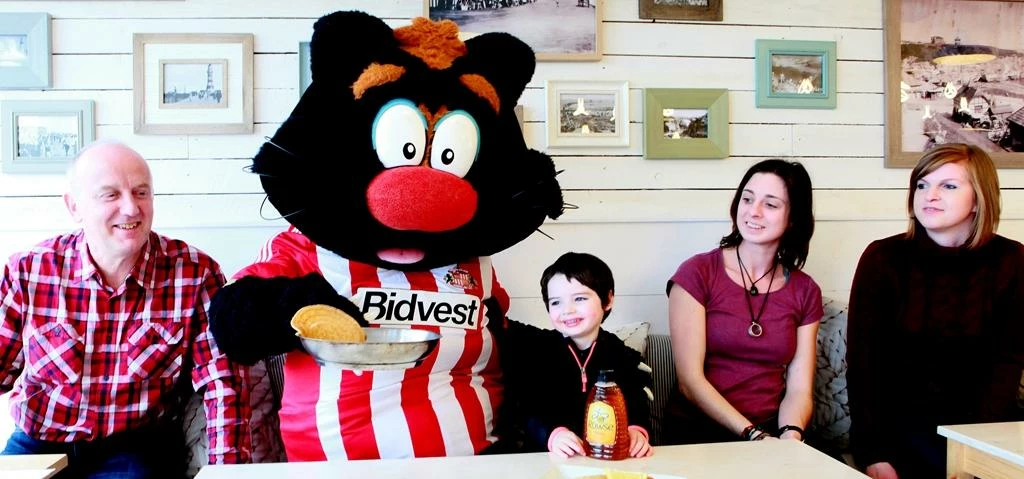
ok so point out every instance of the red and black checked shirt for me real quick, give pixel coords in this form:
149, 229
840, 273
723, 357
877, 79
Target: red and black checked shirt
86, 361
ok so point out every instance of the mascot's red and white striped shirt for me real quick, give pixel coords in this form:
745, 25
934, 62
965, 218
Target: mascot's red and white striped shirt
443, 407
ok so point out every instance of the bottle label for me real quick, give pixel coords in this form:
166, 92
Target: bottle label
601, 424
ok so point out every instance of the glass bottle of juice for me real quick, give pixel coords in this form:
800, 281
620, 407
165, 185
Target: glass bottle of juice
605, 425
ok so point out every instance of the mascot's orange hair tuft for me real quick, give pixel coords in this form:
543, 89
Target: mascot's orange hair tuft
479, 85
376, 75
436, 43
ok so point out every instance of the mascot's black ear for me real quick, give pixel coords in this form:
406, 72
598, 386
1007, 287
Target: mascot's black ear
345, 43
508, 71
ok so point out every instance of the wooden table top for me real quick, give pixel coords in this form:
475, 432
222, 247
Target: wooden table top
1004, 440
769, 459
35, 466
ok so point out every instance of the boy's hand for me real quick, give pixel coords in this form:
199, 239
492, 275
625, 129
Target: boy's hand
638, 445
565, 443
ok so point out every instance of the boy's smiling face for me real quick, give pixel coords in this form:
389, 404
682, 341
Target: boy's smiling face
575, 310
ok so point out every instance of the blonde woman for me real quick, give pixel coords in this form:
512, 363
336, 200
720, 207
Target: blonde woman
936, 324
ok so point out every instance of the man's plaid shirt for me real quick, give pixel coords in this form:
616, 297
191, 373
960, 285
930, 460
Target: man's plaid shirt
86, 361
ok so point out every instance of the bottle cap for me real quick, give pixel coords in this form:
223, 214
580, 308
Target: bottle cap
606, 376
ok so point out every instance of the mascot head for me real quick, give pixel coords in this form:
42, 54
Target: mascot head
405, 151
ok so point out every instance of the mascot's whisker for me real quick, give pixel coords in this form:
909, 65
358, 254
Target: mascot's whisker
249, 169
279, 147
545, 234
531, 188
252, 169
264, 202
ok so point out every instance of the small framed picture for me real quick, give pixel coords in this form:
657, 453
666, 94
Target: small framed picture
305, 68
24, 50
193, 83
587, 113
706, 10
43, 136
556, 30
796, 74
686, 123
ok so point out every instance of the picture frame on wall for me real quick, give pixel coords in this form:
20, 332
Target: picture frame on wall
587, 113
953, 76
703, 10
193, 83
24, 50
795, 74
305, 68
556, 30
686, 123
43, 136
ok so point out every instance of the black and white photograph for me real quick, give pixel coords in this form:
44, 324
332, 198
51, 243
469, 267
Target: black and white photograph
586, 113
193, 83
42, 136
703, 10
13, 50
688, 3
800, 74
48, 135
555, 29
681, 123
961, 77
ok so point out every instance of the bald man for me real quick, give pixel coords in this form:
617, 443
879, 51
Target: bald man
103, 330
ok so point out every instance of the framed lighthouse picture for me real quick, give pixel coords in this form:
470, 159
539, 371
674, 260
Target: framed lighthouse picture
193, 84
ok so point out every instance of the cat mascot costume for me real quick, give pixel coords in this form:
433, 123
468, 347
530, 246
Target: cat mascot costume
401, 169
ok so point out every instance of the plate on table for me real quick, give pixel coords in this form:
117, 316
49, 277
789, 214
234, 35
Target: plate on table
385, 348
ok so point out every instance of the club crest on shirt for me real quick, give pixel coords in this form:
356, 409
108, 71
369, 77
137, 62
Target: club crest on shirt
459, 278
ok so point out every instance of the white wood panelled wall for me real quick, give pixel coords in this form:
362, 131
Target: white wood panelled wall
642, 216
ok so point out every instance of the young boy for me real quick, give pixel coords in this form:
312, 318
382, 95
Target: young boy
549, 373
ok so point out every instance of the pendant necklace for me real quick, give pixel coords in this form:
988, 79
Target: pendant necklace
755, 330
583, 366
753, 283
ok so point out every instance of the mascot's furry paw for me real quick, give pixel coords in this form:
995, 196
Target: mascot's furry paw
250, 318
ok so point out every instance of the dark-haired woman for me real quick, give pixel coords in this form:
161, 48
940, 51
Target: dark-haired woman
743, 318
936, 325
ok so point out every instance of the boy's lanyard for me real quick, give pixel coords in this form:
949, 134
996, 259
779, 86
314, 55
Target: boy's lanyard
583, 367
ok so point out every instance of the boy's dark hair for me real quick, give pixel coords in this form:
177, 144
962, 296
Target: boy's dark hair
797, 238
587, 270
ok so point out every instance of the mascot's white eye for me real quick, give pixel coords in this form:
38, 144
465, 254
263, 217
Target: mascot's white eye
456, 143
399, 134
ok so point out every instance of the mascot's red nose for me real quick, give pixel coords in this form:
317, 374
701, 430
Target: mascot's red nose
419, 198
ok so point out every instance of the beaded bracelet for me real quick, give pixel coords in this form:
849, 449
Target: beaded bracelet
747, 430
753, 433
